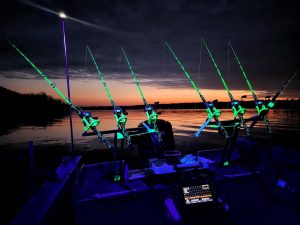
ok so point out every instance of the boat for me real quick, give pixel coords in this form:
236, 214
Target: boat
169, 188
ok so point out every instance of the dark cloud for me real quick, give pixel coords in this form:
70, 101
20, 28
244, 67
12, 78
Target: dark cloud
264, 33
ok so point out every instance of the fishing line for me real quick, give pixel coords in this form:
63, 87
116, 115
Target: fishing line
149, 109
88, 121
200, 63
261, 107
237, 109
210, 108
119, 62
164, 60
85, 60
228, 62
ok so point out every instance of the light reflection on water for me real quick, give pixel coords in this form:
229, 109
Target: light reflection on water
184, 121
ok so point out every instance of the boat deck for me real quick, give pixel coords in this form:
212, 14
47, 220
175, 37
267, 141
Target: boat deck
249, 190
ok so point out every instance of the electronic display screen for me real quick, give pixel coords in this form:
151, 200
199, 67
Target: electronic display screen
197, 194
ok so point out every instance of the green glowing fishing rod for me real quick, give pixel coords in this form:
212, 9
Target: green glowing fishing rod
272, 102
238, 110
262, 110
149, 109
210, 108
118, 112
135, 79
88, 121
244, 73
261, 107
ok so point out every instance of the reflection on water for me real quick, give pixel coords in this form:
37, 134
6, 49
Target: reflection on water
184, 121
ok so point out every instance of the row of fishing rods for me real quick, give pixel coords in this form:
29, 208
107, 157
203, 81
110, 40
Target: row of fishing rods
238, 111
91, 123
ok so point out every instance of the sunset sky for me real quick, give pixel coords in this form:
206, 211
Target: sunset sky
265, 35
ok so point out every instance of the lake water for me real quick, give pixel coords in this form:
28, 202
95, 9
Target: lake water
184, 121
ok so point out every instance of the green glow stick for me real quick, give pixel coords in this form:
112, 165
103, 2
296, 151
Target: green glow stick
210, 108
238, 110
118, 112
88, 121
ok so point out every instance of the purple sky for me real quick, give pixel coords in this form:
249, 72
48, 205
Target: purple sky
265, 34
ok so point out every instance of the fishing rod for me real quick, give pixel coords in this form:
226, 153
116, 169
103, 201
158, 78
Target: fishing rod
260, 106
88, 121
238, 110
121, 119
271, 104
210, 108
149, 109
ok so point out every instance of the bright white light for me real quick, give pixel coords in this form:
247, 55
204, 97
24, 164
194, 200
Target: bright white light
62, 15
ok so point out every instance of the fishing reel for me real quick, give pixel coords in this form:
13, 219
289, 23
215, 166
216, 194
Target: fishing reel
88, 121
212, 113
211, 110
119, 115
151, 114
261, 108
152, 118
121, 120
237, 108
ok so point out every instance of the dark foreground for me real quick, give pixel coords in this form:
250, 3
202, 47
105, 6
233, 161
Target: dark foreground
247, 185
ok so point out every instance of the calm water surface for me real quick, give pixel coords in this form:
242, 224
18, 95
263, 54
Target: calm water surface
184, 121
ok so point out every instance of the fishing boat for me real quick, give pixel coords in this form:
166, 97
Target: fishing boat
236, 184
